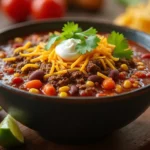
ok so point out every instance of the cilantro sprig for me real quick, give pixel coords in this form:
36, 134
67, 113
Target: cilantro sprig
88, 38
122, 49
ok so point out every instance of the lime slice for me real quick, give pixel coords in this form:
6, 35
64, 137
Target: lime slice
10, 134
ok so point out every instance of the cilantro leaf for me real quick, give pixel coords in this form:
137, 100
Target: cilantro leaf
88, 44
129, 2
88, 38
52, 40
122, 49
69, 29
88, 32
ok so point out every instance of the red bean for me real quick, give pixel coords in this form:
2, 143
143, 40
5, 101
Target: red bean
147, 55
95, 78
38, 74
74, 90
17, 80
114, 74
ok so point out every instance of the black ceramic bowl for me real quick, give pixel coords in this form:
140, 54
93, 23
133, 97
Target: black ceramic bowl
73, 118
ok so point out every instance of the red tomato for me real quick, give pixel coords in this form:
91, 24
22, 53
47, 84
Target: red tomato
42, 9
17, 10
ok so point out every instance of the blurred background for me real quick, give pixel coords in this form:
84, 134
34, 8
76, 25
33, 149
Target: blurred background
132, 13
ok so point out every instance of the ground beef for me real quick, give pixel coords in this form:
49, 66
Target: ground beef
20, 65
129, 63
59, 80
45, 67
89, 91
92, 67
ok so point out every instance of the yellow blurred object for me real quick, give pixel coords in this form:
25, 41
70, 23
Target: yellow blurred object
136, 17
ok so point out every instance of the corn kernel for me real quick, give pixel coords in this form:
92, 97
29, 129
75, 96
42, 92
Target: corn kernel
63, 94
33, 90
141, 67
90, 83
118, 88
127, 84
135, 85
137, 82
18, 40
124, 67
64, 89
16, 74
140, 63
2, 55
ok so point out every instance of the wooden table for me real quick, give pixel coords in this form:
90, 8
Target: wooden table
135, 136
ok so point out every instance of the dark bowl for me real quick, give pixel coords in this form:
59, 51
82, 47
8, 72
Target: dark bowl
73, 118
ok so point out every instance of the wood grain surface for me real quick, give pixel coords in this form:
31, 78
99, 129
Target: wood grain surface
135, 136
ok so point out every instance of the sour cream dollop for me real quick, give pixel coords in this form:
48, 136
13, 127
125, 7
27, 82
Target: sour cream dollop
66, 50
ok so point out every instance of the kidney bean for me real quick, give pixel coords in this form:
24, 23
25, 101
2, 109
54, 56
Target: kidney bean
86, 93
147, 55
73, 90
114, 74
17, 80
38, 74
95, 78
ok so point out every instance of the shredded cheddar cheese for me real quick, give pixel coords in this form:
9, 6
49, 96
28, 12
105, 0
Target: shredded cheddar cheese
36, 54
29, 66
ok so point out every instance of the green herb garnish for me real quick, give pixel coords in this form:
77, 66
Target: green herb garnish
88, 39
129, 2
122, 49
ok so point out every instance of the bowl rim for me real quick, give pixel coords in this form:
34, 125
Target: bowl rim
75, 99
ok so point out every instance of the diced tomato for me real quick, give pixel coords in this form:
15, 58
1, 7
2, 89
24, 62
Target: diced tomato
100, 94
122, 75
9, 70
140, 74
49, 90
132, 80
108, 84
33, 84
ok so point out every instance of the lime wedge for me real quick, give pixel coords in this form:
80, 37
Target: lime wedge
10, 134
